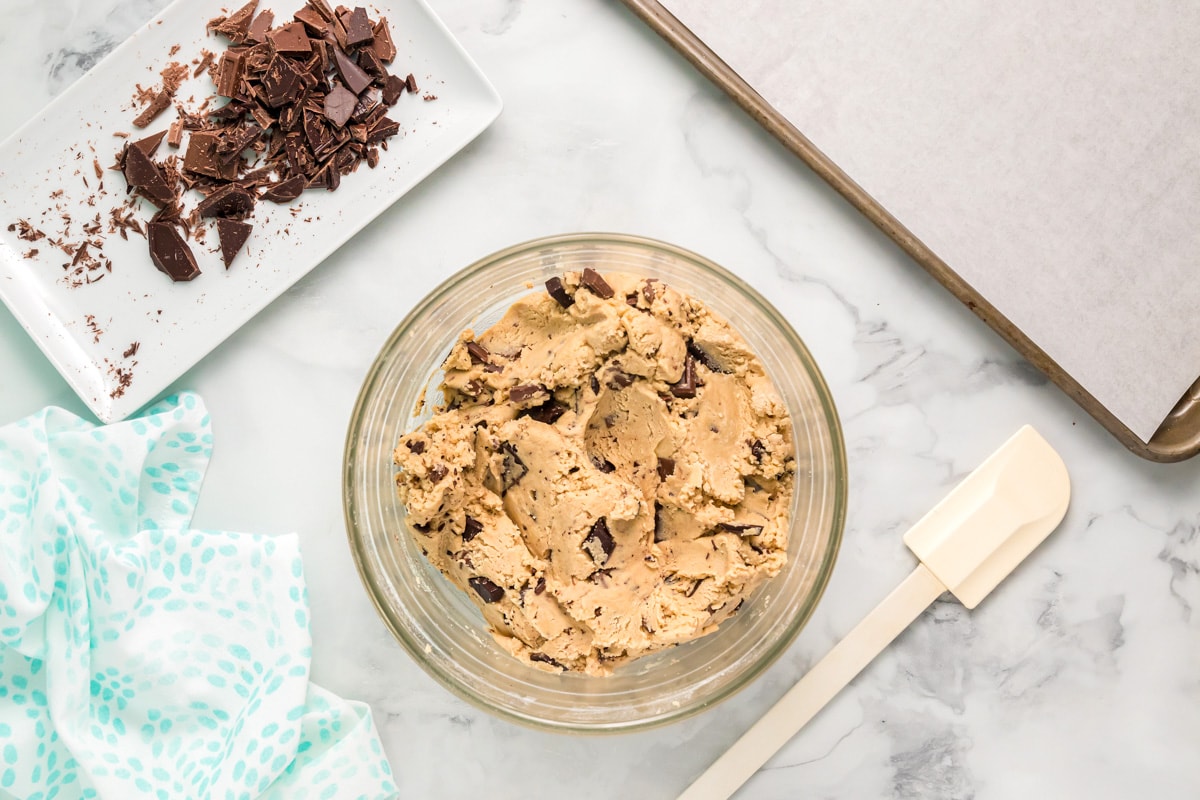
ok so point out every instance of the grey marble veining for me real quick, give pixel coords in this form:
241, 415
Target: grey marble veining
1078, 678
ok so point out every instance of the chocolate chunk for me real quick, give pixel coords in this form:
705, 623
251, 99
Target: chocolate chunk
282, 82
594, 384
618, 379
631, 299
519, 394
666, 468
286, 191
478, 353
392, 89
599, 543
352, 75
741, 530
438, 472
692, 589
230, 200
257, 32
648, 290
322, 8
540, 586
556, 289
548, 412
512, 469
371, 64
592, 281
383, 45
159, 103
149, 145
703, 357
229, 73
416, 446
312, 19
147, 176
358, 27
660, 525
232, 235
758, 450
231, 143
603, 464
290, 39
471, 529
383, 129
202, 159
490, 592
545, 659
411, 84
170, 253
686, 387
236, 25
339, 105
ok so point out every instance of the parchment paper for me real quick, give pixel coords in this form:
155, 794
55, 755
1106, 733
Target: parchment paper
1048, 152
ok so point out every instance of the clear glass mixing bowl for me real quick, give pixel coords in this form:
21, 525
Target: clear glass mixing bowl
440, 627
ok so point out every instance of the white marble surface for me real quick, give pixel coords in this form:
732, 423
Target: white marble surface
1077, 678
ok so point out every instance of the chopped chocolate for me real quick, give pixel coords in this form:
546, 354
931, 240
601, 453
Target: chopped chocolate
512, 469
229, 73
666, 468
603, 464
548, 412
371, 64
159, 103
383, 129
383, 45
479, 354
703, 357
592, 281
339, 105
686, 387
202, 159
648, 290
411, 83
471, 528
393, 87
149, 145
660, 526
490, 592
257, 32
232, 235
282, 82
236, 25
353, 76
286, 191
175, 133
631, 299
317, 25
555, 288
740, 530
618, 379
358, 27
131, 351
594, 384
599, 543
290, 39
758, 450
416, 446
170, 253
540, 586
519, 394
322, 8
230, 200
545, 659
438, 472
146, 176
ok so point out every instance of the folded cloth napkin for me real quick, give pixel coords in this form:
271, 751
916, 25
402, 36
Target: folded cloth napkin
141, 658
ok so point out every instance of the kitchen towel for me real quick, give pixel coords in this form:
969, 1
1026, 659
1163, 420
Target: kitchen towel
140, 657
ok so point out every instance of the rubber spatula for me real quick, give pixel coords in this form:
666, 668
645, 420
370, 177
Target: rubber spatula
967, 544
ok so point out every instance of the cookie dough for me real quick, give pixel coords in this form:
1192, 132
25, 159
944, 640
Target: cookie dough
610, 472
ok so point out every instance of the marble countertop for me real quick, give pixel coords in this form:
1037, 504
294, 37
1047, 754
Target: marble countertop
1077, 678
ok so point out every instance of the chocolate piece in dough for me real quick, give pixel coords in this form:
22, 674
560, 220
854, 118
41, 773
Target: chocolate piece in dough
622, 485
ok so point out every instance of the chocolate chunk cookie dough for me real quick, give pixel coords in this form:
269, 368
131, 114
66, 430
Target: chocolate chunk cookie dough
610, 473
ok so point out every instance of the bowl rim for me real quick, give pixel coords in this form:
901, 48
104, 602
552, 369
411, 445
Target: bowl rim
825, 568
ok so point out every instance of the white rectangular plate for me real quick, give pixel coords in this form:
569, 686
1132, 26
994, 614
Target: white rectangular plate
86, 330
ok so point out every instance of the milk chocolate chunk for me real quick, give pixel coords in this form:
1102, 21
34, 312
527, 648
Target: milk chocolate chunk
660, 525
229, 72
393, 87
411, 83
471, 528
592, 281
478, 353
353, 76
170, 253
417, 446
555, 288
490, 592
618, 379
339, 105
384, 47
236, 25
519, 394
146, 176
232, 235
358, 27
282, 82
287, 190
201, 157
316, 24
758, 450
149, 145
230, 200
371, 64
290, 39
257, 32
159, 103
438, 472
599, 543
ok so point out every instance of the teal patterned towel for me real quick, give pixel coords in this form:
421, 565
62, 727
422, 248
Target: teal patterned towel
141, 658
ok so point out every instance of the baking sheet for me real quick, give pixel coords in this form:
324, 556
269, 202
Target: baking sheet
1040, 152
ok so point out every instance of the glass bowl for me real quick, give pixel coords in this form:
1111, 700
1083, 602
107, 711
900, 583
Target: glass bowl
441, 628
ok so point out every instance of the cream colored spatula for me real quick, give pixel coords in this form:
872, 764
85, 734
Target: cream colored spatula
967, 544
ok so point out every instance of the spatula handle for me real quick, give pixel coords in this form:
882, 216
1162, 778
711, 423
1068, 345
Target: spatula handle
822, 683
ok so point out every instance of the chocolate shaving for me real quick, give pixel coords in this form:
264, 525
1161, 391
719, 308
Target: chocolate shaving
556, 289
490, 592
599, 543
592, 281
758, 450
